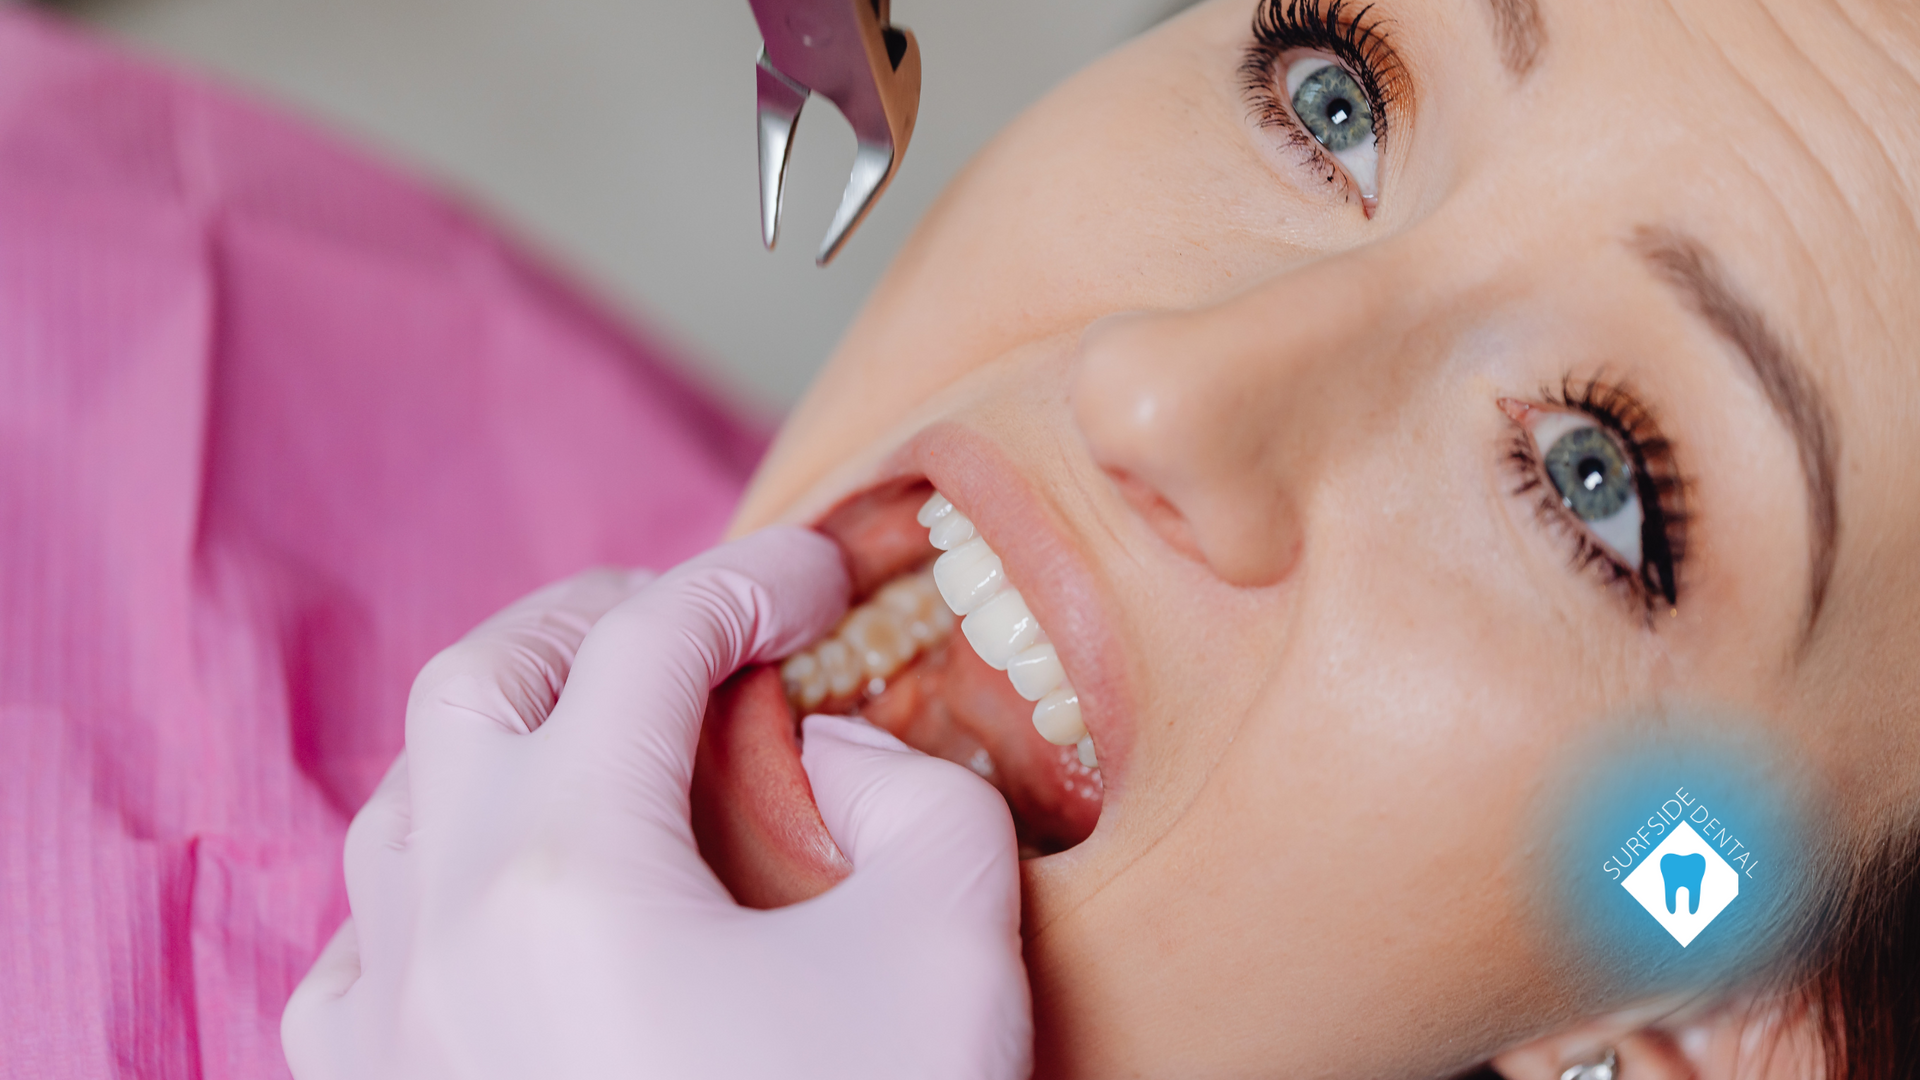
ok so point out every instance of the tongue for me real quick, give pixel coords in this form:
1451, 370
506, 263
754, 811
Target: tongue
753, 810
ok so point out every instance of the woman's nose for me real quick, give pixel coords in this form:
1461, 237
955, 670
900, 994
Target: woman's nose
1216, 423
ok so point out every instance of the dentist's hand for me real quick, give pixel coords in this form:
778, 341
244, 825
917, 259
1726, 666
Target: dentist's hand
528, 899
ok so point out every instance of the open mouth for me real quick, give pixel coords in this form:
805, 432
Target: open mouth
992, 697
937, 648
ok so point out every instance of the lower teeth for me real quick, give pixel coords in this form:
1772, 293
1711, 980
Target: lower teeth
878, 638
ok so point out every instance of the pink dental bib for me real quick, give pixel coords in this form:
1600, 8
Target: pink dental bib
275, 426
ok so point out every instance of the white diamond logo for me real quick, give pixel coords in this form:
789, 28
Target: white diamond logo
1683, 883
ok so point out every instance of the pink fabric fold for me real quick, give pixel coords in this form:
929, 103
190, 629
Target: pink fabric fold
276, 424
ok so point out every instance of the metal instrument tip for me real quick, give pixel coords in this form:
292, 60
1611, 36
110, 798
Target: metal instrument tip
846, 51
780, 102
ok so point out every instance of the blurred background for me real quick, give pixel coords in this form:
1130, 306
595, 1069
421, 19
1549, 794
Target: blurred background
617, 136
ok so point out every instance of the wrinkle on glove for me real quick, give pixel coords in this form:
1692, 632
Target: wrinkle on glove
276, 425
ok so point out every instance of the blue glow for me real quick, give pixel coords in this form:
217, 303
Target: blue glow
1620, 801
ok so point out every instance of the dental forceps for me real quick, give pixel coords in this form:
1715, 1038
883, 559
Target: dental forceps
847, 52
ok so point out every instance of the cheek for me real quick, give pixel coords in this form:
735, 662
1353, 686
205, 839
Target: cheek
1409, 719
1383, 786
1365, 826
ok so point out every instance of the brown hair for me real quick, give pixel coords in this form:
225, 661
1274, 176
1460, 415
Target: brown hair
1864, 984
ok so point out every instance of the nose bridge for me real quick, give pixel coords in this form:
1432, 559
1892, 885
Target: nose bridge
1226, 412
1312, 345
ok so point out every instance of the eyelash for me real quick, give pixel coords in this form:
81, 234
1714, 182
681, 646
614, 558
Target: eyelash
1657, 481
1281, 26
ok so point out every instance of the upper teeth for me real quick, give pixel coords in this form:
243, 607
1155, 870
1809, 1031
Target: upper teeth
995, 619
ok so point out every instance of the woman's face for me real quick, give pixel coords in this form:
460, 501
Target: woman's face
1332, 501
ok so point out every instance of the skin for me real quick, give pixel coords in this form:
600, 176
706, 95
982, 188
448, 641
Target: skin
1266, 424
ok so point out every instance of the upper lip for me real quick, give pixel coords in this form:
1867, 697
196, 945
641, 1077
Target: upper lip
972, 471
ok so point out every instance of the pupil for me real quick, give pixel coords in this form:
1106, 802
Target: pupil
1333, 109
1590, 471
1593, 473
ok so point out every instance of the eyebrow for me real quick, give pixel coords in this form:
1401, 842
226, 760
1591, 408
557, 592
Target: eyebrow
1520, 33
1690, 268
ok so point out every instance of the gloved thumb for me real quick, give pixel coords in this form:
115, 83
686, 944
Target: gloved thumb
918, 830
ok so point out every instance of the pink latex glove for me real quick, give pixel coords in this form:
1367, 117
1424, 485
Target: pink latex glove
527, 896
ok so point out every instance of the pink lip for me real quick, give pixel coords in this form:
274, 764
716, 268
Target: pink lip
1032, 541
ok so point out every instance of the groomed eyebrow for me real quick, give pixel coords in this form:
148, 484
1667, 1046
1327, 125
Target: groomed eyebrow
1520, 33
1689, 267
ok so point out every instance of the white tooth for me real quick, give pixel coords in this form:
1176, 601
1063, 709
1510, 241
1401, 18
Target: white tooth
1036, 671
950, 532
911, 596
941, 618
968, 576
1057, 717
877, 641
842, 667
805, 680
1087, 756
1000, 628
935, 625
916, 607
933, 510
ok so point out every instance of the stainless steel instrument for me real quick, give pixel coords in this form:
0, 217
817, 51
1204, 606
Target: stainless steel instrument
849, 53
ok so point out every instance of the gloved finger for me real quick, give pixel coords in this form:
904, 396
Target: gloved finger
509, 670
471, 705
312, 1026
378, 871
935, 893
921, 832
632, 708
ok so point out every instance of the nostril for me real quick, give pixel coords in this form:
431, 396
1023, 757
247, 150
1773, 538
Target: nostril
1186, 428
1164, 518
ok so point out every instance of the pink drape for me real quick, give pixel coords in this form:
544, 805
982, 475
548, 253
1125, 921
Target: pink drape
275, 425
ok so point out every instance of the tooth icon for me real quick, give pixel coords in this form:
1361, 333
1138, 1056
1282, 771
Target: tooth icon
1683, 872
1684, 860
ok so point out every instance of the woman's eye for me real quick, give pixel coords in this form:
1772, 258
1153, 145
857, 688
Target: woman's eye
1335, 111
1593, 476
1597, 468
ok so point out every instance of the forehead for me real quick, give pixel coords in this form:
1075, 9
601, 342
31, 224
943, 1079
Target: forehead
1787, 139
1785, 136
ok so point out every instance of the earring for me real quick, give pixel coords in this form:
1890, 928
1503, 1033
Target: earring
1604, 1069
